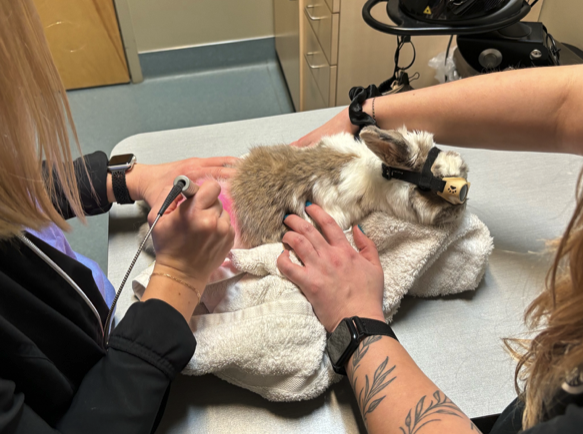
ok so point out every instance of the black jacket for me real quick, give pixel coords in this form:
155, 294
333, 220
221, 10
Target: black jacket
54, 371
564, 417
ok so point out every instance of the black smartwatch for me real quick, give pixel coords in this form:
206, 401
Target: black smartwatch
118, 166
350, 332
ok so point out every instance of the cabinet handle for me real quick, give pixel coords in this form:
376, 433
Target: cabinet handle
310, 16
313, 66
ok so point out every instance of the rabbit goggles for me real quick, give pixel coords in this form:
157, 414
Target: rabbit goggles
453, 190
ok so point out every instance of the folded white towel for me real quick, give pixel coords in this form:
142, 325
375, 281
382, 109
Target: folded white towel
263, 335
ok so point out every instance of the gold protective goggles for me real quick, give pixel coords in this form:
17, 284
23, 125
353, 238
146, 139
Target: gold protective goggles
453, 190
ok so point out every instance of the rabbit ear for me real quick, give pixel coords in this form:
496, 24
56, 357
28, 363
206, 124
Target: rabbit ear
390, 146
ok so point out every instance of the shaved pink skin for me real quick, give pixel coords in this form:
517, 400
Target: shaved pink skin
227, 202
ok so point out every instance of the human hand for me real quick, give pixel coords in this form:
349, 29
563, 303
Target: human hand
146, 182
337, 280
194, 236
338, 124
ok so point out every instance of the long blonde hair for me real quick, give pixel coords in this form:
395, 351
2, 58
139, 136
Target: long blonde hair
35, 122
556, 352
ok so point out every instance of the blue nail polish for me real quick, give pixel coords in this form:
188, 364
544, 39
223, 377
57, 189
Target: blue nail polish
361, 229
285, 216
308, 203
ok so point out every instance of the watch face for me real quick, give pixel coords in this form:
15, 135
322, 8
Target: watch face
338, 342
124, 161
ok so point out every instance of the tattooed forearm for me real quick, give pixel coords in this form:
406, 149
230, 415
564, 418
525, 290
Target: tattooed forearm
363, 349
422, 416
365, 397
379, 382
358, 355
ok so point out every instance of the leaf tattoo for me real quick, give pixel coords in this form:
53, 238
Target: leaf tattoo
365, 400
359, 354
363, 348
378, 384
422, 416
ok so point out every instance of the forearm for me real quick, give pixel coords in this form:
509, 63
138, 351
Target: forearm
181, 297
537, 109
395, 396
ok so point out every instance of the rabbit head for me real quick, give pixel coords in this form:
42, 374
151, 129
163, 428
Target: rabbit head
408, 150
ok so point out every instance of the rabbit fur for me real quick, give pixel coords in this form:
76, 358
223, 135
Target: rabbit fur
343, 175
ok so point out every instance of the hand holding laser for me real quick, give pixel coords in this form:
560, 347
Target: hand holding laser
182, 185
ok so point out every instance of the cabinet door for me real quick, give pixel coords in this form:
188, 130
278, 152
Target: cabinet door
287, 44
312, 98
325, 25
319, 69
85, 42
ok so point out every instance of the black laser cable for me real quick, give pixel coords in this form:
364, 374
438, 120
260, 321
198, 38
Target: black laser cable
182, 184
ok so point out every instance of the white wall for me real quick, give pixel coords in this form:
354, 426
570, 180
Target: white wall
169, 24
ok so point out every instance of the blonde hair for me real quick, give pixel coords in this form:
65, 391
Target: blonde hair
35, 121
556, 353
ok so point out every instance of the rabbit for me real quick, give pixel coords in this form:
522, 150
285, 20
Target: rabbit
343, 175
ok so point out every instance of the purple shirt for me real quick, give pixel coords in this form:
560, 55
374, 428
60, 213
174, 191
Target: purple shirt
55, 237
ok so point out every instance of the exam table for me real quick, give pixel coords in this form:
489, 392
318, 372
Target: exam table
524, 198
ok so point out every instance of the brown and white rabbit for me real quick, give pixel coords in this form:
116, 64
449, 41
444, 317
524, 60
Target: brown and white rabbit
343, 175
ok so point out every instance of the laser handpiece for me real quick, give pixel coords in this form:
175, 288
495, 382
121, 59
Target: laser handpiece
182, 184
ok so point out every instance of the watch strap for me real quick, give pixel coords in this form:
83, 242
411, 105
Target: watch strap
120, 188
364, 327
372, 327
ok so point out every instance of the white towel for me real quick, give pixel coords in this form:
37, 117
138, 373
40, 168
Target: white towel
263, 335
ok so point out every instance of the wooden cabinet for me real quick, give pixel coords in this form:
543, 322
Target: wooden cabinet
317, 67
319, 54
324, 24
